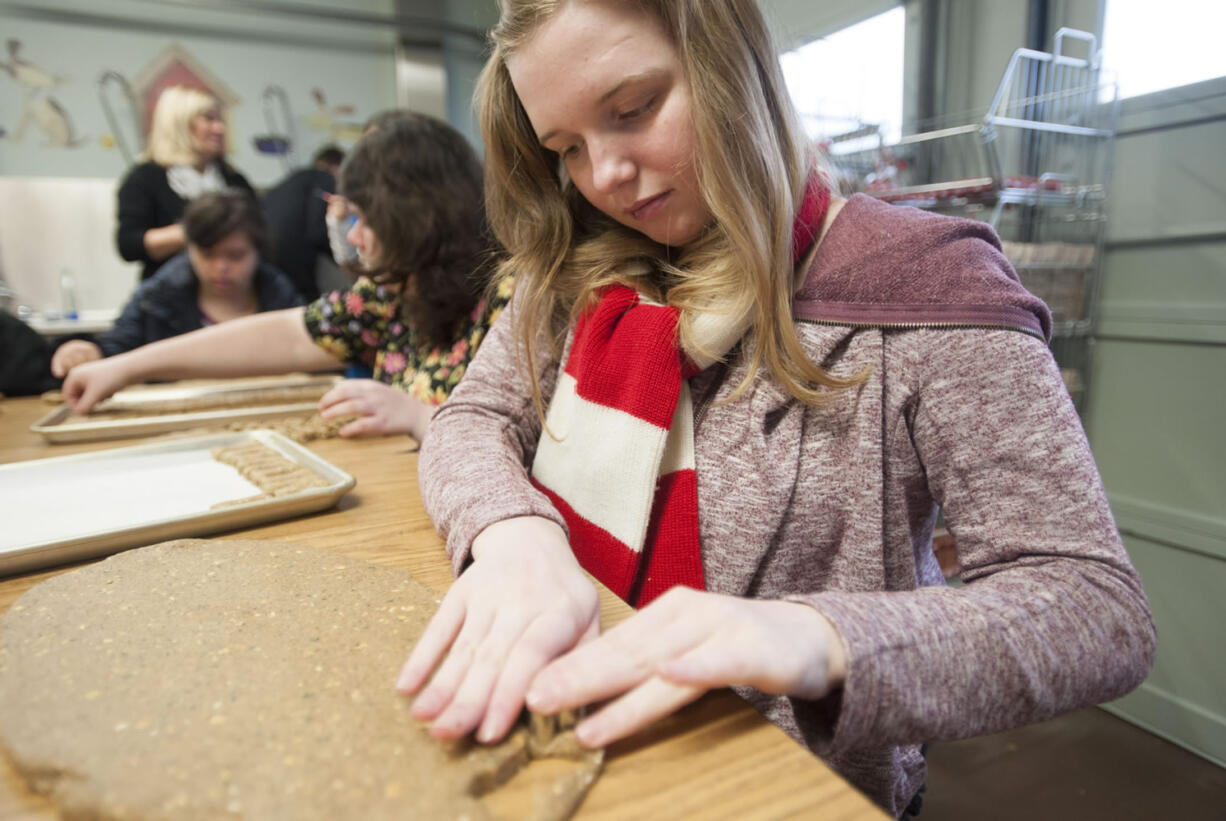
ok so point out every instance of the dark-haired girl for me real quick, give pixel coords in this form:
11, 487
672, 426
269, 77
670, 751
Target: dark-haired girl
415, 319
221, 276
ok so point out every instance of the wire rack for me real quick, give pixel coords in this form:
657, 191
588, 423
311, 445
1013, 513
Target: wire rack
1035, 164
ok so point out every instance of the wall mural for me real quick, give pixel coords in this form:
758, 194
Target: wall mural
176, 66
336, 121
39, 107
63, 87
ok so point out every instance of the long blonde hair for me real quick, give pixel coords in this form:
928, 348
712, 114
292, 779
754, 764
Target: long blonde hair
752, 171
170, 137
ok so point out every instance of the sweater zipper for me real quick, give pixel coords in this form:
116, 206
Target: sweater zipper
907, 326
709, 396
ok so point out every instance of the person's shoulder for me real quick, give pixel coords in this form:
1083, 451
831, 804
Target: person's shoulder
882, 263
301, 183
275, 289
175, 274
869, 229
233, 177
145, 173
169, 290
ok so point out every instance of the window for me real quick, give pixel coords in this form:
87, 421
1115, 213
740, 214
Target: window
851, 80
1150, 47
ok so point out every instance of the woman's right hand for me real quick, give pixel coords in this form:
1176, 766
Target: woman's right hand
523, 602
72, 353
91, 382
338, 207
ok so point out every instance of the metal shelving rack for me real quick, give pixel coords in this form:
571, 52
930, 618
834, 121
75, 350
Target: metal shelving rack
1036, 166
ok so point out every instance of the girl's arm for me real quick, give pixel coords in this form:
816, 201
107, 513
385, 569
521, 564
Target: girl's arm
266, 343
164, 242
1052, 616
522, 599
473, 466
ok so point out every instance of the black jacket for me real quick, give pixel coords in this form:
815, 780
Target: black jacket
165, 305
25, 359
146, 201
295, 213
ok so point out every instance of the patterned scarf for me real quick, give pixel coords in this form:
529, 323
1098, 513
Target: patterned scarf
188, 183
619, 465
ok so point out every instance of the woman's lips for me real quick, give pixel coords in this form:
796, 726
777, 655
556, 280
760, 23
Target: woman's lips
646, 209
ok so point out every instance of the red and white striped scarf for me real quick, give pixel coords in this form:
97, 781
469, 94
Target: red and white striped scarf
619, 465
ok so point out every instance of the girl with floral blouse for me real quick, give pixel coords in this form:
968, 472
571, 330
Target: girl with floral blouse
415, 319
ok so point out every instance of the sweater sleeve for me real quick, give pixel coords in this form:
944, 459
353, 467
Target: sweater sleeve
473, 464
137, 213
1052, 616
128, 332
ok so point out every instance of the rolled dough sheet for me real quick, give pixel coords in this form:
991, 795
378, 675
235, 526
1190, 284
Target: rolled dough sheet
240, 679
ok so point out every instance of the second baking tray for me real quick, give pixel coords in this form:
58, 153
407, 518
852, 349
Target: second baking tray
60, 425
70, 508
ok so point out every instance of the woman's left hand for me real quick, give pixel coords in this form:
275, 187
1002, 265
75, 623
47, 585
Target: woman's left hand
72, 353
680, 646
382, 409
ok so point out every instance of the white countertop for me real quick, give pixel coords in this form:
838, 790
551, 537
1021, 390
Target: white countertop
87, 322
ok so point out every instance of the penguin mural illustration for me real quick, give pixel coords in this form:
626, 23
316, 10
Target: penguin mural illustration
39, 108
326, 118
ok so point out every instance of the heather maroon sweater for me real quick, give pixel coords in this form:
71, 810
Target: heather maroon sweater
834, 506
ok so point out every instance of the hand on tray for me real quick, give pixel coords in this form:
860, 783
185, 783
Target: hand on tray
72, 353
91, 382
382, 409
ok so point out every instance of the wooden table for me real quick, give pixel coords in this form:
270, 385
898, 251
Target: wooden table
715, 759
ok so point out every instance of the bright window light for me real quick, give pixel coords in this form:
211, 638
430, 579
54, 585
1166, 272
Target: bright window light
1151, 47
851, 79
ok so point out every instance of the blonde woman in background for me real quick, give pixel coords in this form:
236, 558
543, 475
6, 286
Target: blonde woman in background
185, 158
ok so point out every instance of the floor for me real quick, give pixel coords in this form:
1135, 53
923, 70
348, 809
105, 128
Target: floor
1086, 766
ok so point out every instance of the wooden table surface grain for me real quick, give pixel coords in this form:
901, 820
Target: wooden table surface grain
716, 758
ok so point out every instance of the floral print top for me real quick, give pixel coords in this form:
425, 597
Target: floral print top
364, 325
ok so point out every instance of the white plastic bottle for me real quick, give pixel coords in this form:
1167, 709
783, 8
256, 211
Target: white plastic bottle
68, 294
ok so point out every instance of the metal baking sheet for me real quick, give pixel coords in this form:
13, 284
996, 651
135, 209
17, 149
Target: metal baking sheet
59, 426
70, 508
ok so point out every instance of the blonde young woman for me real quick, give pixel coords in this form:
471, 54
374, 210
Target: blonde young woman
186, 158
757, 396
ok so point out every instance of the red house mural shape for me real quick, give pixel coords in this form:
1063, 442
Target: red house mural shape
176, 67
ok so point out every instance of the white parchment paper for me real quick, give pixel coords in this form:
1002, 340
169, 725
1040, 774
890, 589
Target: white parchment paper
51, 501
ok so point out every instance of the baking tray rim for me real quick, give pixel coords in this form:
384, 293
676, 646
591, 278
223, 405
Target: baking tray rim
132, 396
19, 558
50, 428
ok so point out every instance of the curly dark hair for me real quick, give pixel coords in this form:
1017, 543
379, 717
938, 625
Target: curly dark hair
215, 215
419, 185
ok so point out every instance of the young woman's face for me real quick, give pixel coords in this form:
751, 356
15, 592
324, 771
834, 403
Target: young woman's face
363, 238
226, 269
209, 133
604, 89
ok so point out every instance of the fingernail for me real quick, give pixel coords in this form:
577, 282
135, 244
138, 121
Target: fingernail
402, 683
424, 707
538, 699
588, 735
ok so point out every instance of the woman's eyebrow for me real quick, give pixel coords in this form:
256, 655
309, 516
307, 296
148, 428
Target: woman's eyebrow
625, 81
